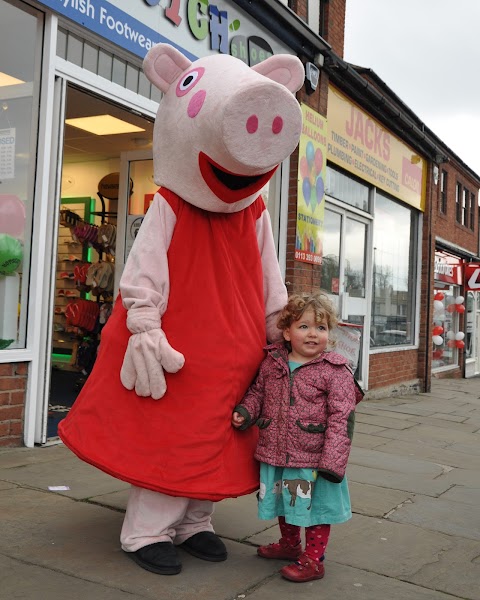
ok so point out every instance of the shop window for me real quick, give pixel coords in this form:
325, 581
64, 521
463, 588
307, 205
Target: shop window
394, 267
332, 226
465, 207
458, 203
443, 192
447, 339
472, 211
20, 49
347, 189
470, 351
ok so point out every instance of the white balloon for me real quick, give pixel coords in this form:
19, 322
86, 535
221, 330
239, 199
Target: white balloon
459, 300
437, 340
459, 336
450, 335
437, 305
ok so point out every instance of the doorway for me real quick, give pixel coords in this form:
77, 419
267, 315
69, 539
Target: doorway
96, 134
345, 273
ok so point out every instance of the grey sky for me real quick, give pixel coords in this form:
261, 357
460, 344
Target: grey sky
428, 53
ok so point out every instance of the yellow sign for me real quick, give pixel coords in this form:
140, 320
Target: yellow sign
311, 187
361, 145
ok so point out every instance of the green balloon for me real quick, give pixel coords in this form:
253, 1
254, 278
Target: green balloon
11, 254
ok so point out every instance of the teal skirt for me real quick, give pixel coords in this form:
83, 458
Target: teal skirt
302, 497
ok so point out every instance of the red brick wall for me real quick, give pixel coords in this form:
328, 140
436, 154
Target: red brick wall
334, 23
13, 378
387, 369
447, 226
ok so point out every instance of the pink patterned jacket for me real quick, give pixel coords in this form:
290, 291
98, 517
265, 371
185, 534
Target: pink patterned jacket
305, 418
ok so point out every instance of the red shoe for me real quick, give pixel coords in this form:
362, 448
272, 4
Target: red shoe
280, 551
305, 569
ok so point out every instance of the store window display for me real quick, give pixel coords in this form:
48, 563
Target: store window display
20, 49
447, 339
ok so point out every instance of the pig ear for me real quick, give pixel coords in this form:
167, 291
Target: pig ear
283, 68
163, 64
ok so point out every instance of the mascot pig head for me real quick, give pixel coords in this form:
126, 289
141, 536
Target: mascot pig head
222, 127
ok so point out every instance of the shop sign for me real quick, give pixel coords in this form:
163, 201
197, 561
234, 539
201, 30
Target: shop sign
196, 28
361, 145
7, 153
448, 269
311, 187
472, 277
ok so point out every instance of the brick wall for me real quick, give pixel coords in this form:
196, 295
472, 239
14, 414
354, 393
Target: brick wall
334, 24
387, 369
13, 378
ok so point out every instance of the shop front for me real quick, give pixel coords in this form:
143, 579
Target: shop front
471, 273
374, 204
72, 198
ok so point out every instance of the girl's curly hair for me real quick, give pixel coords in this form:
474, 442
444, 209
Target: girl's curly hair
297, 304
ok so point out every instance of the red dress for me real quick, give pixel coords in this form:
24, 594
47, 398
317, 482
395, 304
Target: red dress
184, 444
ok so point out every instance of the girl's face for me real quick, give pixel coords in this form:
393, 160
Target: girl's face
307, 338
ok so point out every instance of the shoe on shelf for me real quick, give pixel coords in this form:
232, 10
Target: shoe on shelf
280, 551
304, 569
161, 558
206, 545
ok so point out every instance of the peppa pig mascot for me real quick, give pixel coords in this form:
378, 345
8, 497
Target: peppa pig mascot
198, 299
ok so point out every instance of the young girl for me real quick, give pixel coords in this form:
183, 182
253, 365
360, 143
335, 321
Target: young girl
303, 401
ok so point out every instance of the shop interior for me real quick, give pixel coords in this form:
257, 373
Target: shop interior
86, 236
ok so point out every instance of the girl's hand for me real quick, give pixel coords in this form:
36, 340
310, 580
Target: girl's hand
237, 419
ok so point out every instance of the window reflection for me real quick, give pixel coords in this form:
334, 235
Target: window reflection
20, 44
394, 249
331, 252
355, 241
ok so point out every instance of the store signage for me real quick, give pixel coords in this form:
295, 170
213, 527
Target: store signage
311, 187
472, 277
196, 28
7, 153
362, 146
448, 270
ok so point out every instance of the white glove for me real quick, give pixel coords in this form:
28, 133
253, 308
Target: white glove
148, 353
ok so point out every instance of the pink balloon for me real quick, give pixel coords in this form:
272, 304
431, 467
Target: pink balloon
304, 171
12, 215
318, 161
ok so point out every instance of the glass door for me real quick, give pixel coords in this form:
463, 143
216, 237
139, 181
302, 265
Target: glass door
344, 269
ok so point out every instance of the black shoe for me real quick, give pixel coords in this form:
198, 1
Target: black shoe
206, 545
158, 558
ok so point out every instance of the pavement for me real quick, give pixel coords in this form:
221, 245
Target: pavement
414, 475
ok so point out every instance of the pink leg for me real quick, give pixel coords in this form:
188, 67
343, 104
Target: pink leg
154, 517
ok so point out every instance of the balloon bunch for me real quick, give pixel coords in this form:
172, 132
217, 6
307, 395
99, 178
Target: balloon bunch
454, 339
313, 186
12, 224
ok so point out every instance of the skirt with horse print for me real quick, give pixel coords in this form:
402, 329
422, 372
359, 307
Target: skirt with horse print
302, 497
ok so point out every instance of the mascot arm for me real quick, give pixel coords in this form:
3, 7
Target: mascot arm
274, 291
144, 287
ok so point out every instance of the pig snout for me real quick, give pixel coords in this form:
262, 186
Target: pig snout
261, 126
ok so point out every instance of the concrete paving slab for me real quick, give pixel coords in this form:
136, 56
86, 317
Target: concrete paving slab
378, 545
396, 481
82, 540
375, 501
4, 485
456, 571
427, 452
236, 518
346, 583
366, 428
17, 457
445, 417
445, 516
463, 477
83, 480
467, 448
29, 582
461, 493
361, 440
116, 500
412, 409
398, 464
433, 435
446, 423
381, 421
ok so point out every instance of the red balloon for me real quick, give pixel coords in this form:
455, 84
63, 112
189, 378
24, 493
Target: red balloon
460, 344
439, 296
460, 308
437, 353
451, 343
438, 330
451, 308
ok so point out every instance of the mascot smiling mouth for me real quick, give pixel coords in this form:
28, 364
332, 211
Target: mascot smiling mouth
230, 187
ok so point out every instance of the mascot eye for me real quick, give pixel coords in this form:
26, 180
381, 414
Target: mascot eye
189, 81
